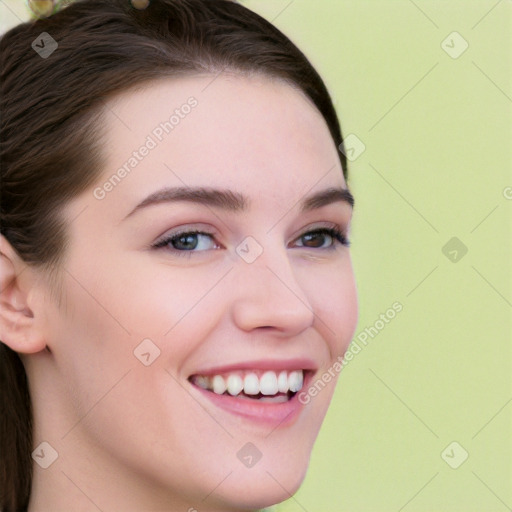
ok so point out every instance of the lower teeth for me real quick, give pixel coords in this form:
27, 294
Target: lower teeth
278, 398
274, 399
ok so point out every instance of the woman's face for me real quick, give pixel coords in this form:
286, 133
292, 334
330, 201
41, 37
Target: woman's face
151, 311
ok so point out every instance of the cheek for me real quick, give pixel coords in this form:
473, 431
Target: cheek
96, 357
107, 314
176, 307
333, 296
92, 341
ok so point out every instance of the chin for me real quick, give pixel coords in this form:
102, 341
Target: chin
264, 488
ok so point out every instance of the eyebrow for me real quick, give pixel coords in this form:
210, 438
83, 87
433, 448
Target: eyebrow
234, 201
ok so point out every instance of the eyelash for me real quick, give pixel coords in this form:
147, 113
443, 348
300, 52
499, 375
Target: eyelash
333, 231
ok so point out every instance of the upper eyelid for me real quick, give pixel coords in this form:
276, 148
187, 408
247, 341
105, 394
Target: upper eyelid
188, 228
325, 225
173, 234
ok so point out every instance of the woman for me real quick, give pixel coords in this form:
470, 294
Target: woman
174, 255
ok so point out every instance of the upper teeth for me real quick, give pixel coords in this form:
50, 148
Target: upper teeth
269, 383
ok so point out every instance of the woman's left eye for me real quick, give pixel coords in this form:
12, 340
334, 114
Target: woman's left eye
318, 237
188, 242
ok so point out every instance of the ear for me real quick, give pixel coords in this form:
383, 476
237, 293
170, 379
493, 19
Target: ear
18, 326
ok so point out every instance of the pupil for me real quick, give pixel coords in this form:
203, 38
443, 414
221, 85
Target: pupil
313, 236
189, 241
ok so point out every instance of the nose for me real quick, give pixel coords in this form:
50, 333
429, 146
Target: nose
268, 295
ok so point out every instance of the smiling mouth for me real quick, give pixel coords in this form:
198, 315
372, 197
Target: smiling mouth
263, 386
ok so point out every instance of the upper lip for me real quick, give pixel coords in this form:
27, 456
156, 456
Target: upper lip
261, 364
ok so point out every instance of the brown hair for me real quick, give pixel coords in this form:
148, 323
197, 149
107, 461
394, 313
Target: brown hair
50, 142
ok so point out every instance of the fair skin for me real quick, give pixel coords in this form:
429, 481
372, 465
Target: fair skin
136, 437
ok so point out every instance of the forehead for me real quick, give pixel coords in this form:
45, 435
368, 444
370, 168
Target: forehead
253, 134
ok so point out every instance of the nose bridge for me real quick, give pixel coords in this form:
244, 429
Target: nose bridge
268, 292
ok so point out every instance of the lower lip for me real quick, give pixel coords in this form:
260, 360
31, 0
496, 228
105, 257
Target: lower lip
271, 414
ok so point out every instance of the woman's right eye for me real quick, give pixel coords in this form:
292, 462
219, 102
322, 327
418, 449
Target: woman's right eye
187, 242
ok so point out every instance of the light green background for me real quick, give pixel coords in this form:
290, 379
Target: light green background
437, 132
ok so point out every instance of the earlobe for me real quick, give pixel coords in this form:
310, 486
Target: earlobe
18, 329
